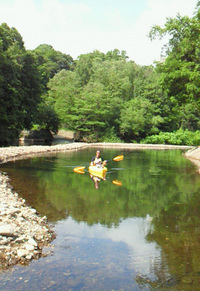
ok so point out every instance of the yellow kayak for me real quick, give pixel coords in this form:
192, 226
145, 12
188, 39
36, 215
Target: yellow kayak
99, 172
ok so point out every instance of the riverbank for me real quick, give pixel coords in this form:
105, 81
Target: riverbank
8, 154
14, 153
194, 156
23, 232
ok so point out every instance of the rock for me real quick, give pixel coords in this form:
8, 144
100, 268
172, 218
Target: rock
29, 247
4, 241
33, 210
31, 241
20, 239
43, 219
13, 211
2, 210
29, 256
6, 230
22, 253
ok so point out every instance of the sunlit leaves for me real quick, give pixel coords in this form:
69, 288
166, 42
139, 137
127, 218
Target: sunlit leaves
179, 73
138, 118
50, 62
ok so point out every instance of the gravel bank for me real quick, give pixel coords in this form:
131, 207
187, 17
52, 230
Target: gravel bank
137, 146
13, 153
194, 156
193, 153
23, 232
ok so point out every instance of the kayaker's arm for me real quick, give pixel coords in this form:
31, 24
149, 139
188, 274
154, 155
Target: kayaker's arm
104, 163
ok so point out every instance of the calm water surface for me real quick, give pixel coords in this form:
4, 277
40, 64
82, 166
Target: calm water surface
142, 235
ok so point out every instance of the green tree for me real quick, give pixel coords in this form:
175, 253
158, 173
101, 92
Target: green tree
138, 119
63, 91
92, 99
47, 118
114, 76
179, 73
50, 62
31, 90
19, 85
91, 112
89, 99
116, 55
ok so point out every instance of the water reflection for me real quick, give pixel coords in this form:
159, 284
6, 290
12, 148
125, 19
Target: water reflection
96, 180
96, 177
130, 233
177, 232
142, 234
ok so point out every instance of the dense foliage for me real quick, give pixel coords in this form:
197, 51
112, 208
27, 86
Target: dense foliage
19, 85
23, 79
104, 96
49, 62
107, 96
179, 137
180, 74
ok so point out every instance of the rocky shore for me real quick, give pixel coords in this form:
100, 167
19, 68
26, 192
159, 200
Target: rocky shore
23, 232
14, 153
194, 156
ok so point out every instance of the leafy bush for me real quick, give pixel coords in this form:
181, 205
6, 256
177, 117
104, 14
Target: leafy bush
111, 136
179, 137
47, 118
36, 127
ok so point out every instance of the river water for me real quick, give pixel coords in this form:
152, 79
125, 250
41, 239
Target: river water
141, 233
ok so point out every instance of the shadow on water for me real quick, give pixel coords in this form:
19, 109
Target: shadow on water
143, 233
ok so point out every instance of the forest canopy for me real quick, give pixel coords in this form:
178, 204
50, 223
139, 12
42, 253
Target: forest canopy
104, 96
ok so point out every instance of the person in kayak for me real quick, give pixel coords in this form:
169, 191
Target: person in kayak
97, 160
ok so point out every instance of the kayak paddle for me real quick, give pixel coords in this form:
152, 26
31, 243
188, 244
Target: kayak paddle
79, 170
116, 159
117, 182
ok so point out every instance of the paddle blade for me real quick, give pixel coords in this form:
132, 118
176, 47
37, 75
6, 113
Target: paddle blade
117, 182
118, 158
79, 170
